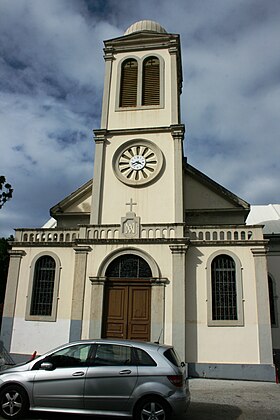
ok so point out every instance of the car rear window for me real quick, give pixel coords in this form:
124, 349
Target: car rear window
143, 358
171, 355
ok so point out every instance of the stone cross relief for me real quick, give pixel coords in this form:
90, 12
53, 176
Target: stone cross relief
130, 224
131, 204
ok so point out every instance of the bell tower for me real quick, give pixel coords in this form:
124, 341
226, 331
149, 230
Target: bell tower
138, 155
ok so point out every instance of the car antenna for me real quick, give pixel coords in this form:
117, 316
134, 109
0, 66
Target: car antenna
157, 342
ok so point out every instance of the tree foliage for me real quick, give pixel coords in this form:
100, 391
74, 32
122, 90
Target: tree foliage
6, 191
4, 264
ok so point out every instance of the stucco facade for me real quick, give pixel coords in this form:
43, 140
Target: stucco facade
146, 205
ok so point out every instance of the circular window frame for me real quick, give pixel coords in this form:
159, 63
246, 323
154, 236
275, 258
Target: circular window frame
141, 143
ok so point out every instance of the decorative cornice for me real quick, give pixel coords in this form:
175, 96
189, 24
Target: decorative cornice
159, 281
100, 136
259, 252
109, 54
47, 244
82, 249
178, 131
97, 280
178, 249
142, 41
134, 131
16, 253
130, 241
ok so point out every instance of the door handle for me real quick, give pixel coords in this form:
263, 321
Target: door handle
78, 374
125, 372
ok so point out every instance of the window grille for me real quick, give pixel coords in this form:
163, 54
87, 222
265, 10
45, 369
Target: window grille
129, 76
151, 84
271, 301
129, 266
224, 291
43, 287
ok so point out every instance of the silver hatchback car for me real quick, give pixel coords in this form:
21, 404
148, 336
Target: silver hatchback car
99, 377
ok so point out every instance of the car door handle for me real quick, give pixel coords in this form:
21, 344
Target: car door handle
125, 372
78, 374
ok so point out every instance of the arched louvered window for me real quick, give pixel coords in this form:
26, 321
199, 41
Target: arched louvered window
224, 290
271, 301
129, 77
43, 287
151, 82
129, 266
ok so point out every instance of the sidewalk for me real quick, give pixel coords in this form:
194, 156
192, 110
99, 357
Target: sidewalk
223, 399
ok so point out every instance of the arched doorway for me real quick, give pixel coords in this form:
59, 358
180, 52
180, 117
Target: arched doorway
127, 299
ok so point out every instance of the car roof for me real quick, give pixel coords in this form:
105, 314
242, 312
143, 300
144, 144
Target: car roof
134, 343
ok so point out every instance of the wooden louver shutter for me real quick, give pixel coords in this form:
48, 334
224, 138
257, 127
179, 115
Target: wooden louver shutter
128, 93
151, 88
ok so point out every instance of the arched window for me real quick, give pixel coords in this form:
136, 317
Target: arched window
43, 287
271, 301
128, 89
151, 82
224, 290
129, 266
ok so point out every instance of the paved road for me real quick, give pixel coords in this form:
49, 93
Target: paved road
219, 400
229, 400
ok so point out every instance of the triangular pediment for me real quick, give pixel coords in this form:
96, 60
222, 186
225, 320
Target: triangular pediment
207, 202
75, 208
142, 37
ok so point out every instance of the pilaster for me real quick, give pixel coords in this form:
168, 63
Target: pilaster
96, 307
97, 187
175, 91
78, 292
109, 57
262, 305
157, 309
179, 298
178, 132
10, 297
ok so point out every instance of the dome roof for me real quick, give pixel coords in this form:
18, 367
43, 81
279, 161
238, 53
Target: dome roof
145, 25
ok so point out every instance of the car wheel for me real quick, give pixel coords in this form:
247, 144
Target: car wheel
152, 408
13, 402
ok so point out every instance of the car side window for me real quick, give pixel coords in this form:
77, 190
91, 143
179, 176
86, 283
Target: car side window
143, 358
73, 356
112, 355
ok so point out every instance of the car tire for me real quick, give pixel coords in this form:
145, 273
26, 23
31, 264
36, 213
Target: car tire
14, 402
152, 407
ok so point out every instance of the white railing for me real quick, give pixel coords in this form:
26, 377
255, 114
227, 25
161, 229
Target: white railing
224, 233
98, 232
46, 235
151, 231
159, 231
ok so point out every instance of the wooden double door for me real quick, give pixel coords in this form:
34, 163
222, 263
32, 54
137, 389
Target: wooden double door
127, 310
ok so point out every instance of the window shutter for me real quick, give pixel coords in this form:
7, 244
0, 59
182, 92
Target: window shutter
129, 76
151, 85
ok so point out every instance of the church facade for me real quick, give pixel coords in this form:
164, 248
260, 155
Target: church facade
150, 249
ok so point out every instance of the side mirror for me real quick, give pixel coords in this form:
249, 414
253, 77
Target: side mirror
47, 366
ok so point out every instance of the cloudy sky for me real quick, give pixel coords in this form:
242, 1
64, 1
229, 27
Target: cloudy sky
51, 80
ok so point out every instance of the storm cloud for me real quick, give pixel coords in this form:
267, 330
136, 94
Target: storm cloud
51, 81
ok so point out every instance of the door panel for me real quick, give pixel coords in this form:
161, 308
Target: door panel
139, 313
116, 300
109, 386
111, 379
127, 311
62, 387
